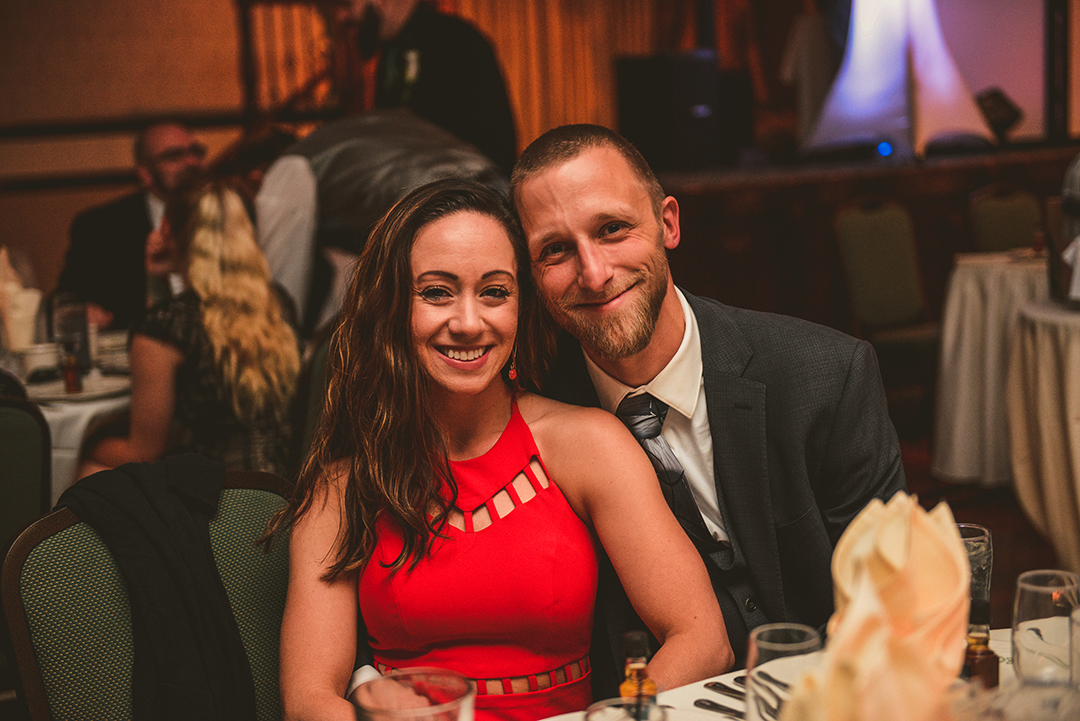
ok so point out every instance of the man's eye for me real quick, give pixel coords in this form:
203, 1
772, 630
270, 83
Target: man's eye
612, 228
552, 251
434, 292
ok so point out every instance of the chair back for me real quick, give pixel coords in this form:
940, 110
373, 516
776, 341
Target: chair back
70, 618
254, 580
25, 466
1004, 217
877, 246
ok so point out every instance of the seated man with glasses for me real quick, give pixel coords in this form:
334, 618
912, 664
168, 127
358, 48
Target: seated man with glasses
105, 263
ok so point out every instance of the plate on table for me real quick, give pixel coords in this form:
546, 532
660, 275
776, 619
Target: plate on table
94, 387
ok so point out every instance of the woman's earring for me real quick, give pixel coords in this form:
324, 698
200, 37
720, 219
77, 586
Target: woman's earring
513, 365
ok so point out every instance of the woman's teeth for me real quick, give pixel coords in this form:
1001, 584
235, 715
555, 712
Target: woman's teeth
464, 355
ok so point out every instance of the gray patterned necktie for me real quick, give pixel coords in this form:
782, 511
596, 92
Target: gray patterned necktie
644, 416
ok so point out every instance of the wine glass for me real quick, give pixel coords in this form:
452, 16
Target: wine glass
626, 709
415, 694
1040, 639
774, 657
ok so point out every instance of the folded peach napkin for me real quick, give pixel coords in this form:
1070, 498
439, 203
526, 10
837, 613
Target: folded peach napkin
896, 641
18, 306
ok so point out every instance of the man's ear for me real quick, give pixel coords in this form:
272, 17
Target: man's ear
669, 220
146, 179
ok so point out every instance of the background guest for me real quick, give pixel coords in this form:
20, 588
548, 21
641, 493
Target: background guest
219, 358
104, 265
441, 68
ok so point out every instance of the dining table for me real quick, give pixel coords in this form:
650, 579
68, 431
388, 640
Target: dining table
680, 700
1044, 423
985, 293
74, 417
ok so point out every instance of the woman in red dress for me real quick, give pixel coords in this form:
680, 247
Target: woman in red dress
455, 513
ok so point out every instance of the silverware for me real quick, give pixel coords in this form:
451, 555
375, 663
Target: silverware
710, 705
740, 680
726, 690
774, 680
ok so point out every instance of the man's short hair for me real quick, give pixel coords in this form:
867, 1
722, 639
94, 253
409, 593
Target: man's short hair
142, 156
565, 143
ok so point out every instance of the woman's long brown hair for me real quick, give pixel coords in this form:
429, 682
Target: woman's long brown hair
377, 434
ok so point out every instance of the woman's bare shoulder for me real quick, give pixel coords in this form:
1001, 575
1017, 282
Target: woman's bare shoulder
560, 423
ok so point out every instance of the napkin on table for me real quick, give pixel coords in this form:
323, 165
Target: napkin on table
896, 641
18, 306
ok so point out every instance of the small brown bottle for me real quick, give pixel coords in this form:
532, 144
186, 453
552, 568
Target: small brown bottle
636, 682
980, 662
72, 377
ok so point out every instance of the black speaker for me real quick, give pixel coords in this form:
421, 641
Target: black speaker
669, 108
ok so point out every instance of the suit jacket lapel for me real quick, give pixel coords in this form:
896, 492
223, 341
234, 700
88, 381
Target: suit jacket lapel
736, 408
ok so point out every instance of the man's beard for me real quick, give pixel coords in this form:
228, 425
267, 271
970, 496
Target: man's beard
623, 334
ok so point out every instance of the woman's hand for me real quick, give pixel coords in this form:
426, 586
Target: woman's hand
318, 631
610, 483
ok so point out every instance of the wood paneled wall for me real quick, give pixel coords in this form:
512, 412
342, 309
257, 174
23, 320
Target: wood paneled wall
558, 56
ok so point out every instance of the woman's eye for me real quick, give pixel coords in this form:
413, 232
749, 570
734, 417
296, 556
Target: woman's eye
498, 292
434, 292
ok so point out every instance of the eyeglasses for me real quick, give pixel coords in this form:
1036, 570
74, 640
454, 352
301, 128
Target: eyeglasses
171, 155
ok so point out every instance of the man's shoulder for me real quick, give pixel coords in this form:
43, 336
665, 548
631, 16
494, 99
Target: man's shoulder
131, 205
764, 330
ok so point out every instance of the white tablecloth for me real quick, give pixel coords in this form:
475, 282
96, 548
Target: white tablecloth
70, 422
1044, 423
682, 699
985, 292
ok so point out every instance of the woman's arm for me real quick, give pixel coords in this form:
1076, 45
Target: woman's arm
610, 483
153, 397
318, 631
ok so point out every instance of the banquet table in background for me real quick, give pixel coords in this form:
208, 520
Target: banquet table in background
985, 292
72, 418
1044, 423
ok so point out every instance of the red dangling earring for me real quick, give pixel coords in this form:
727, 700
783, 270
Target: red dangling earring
513, 365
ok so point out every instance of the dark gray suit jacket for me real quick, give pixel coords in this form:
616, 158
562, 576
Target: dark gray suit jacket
801, 442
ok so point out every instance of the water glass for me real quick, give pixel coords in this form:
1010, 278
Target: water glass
415, 694
1044, 603
626, 709
979, 545
776, 654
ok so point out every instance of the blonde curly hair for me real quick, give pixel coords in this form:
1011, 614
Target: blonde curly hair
255, 350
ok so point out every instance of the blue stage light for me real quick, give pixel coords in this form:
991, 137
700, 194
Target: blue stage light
884, 149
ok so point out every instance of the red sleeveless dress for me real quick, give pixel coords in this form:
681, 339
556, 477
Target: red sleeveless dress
511, 600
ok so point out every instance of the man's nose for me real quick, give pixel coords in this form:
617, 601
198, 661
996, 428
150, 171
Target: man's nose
595, 270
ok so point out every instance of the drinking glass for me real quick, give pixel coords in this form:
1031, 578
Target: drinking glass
1074, 636
69, 327
1041, 613
776, 654
625, 709
980, 550
415, 694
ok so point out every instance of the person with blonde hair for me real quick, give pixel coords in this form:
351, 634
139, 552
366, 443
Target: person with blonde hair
219, 358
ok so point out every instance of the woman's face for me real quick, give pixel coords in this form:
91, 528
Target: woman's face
465, 301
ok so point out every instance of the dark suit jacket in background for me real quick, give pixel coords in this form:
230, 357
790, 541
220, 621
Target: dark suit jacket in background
105, 263
801, 442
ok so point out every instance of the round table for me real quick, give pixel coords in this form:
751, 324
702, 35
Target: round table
986, 290
72, 418
1044, 423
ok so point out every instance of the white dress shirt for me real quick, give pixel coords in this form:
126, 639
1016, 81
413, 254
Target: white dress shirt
155, 209
686, 429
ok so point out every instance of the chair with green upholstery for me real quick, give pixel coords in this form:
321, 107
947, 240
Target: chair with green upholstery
881, 265
1004, 217
25, 473
70, 620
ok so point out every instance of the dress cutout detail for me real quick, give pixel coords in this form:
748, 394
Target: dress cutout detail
514, 599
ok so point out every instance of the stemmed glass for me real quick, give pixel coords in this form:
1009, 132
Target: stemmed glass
415, 694
1040, 640
766, 689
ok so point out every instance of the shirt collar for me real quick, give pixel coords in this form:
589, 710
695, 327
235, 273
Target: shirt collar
677, 384
155, 207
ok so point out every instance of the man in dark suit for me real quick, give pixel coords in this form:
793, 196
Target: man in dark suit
105, 264
777, 426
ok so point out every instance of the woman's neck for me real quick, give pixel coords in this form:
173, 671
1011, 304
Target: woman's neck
472, 424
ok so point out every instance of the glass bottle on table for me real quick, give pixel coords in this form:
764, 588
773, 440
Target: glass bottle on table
636, 682
980, 662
